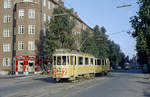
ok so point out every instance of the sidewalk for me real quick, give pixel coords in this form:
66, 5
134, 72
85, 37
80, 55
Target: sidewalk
13, 76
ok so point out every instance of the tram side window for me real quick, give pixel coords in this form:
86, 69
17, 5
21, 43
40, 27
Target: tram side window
86, 61
106, 62
75, 60
80, 61
68, 60
63, 60
95, 62
59, 60
103, 62
54, 60
71, 60
91, 61
98, 62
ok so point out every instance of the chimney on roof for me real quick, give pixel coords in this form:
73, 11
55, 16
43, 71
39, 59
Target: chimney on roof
76, 14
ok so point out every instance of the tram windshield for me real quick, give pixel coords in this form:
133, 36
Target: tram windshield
61, 60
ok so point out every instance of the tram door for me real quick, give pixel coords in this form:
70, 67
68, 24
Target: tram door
31, 66
20, 66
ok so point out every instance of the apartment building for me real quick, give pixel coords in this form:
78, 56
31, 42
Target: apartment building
22, 27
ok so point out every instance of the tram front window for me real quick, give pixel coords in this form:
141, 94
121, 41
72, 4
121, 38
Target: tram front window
63, 60
59, 60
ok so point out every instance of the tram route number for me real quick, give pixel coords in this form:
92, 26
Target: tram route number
64, 71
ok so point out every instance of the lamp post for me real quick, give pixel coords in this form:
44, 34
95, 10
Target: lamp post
121, 6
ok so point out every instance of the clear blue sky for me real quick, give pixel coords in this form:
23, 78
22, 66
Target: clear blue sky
104, 13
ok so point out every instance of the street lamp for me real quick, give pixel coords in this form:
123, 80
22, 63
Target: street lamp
121, 6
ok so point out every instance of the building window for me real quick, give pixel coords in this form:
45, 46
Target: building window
31, 14
7, 3
7, 19
53, 5
84, 27
20, 45
6, 33
31, 45
21, 13
44, 17
31, 29
49, 18
49, 5
6, 61
21, 29
44, 2
6, 47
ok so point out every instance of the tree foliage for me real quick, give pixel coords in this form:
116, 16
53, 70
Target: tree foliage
59, 31
99, 45
141, 25
88, 44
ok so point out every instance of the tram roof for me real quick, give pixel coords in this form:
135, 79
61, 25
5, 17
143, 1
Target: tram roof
68, 51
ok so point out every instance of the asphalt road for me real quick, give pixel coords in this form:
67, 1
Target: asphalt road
115, 84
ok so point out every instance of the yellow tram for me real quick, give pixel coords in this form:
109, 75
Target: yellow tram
68, 64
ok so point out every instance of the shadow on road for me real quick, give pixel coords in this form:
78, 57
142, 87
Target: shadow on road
51, 80
47, 79
145, 83
128, 71
147, 91
147, 94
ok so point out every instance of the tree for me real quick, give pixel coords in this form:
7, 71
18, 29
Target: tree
141, 25
59, 31
114, 53
88, 43
101, 41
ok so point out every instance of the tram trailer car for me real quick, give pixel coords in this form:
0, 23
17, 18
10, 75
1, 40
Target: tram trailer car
68, 64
